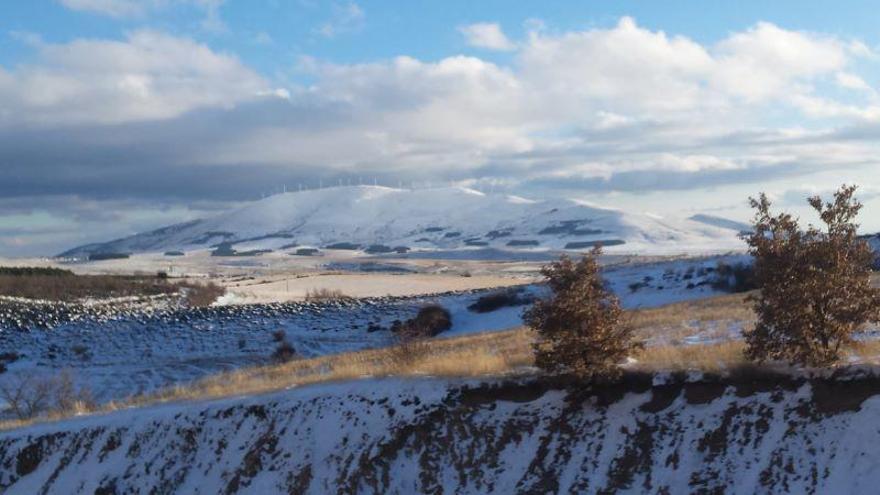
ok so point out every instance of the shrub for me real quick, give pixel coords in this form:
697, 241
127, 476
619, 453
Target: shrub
430, 321
81, 352
284, 352
29, 396
202, 295
738, 277
580, 325
408, 352
815, 284
500, 299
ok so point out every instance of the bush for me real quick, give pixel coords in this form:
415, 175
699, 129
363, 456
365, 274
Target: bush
29, 396
408, 352
284, 352
580, 326
815, 284
430, 321
202, 295
739, 277
500, 299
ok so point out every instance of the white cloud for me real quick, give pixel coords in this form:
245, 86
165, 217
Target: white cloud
149, 75
621, 108
616, 108
127, 9
112, 8
767, 61
346, 18
851, 81
487, 35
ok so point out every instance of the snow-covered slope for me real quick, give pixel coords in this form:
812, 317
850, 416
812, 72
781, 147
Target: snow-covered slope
443, 218
760, 435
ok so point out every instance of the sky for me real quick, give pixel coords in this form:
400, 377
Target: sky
119, 116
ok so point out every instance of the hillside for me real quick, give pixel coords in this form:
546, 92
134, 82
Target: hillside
746, 435
434, 219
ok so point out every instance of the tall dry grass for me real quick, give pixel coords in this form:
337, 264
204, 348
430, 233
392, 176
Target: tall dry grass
324, 294
494, 353
484, 354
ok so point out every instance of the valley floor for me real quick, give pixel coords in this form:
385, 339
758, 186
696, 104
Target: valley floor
188, 401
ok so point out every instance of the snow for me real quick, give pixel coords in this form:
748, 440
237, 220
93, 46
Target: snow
140, 354
368, 215
459, 436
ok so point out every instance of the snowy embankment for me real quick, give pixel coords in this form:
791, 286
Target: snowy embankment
764, 434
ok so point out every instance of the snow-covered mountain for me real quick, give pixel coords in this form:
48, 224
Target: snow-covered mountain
443, 218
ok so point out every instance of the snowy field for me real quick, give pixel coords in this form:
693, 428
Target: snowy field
131, 355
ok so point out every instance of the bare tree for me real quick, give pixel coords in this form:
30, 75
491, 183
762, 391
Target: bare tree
29, 396
815, 284
581, 328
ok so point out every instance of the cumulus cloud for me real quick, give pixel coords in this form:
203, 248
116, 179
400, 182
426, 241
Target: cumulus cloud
149, 75
487, 35
156, 117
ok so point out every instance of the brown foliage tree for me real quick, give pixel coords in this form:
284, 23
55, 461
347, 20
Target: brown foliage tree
580, 327
815, 285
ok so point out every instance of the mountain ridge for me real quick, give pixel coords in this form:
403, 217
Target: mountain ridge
429, 219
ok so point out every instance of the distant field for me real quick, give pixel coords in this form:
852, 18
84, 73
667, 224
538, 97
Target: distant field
54, 284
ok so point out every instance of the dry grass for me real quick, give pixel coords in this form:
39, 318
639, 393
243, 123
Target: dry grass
863, 352
493, 353
202, 295
707, 358
323, 294
711, 318
485, 354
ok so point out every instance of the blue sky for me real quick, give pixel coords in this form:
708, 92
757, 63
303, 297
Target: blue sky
119, 115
